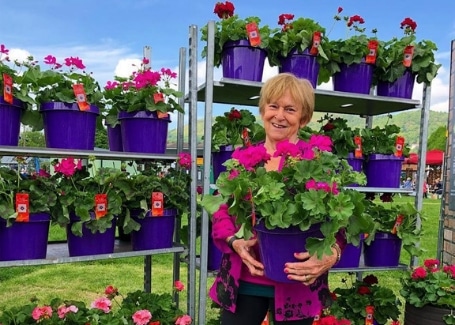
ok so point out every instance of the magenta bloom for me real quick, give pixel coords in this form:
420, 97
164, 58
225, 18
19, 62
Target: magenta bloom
419, 273
67, 167
251, 157
3, 49
103, 304
285, 148
40, 313
184, 160
111, 85
322, 142
50, 59
233, 174
142, 317
179, 286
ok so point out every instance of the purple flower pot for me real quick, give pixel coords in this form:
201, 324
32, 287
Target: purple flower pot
277, 247
356, 164
10, 117
219, 158
242, 61
214, 256
90, 243
25, 240
351, 256
67, 127
302, 65
144, 132
383, 251
383, 170
114, 136
354, 78
155, 232
401, 88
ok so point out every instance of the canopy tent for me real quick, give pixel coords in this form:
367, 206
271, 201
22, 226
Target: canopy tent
434, 157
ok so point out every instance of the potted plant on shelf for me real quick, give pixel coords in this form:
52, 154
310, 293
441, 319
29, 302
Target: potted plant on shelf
241, 51
361, 301
395, 227
88, 203
402, 60
230, 130
141, 104
136, 308
351, 60
298, 47
304, 198
153, 200
26, 202
68, 100
429, 292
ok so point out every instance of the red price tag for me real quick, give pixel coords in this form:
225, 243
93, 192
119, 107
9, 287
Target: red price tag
7, 88
397, 224
246, 137
316, 41
407, 55
158, 97
372, 52
22, 207
157, 204
100, 205
253, 34
399, 144
358, 153
81, 97
369, 318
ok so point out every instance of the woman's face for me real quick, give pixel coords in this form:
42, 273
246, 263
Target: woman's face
282, 119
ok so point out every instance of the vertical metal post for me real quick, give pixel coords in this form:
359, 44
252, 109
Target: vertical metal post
192, 116
148, 273
207, 166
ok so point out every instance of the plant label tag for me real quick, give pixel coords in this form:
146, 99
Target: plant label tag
81, 97
316, 42
246, 137
157, 204
266, 320
100, 205
399, 144
397, 224
158, 97
316, 320
358, 153
372, 52
7, 88
253, 34
407, 55
162, 114
22, 207
369, 318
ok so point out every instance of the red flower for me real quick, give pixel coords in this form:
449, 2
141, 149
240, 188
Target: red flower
386, 197
431, 263
419, 273
363, 290
283, 17
340, 9
370, 279
408, 25
328, 127
234, 115
355, 19
111, 291
224, 10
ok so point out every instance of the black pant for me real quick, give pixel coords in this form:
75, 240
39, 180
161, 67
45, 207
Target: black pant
251, 310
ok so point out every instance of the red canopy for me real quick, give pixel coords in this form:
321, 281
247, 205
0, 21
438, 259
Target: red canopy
434, 157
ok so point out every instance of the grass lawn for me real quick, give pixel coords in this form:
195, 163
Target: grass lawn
87, 280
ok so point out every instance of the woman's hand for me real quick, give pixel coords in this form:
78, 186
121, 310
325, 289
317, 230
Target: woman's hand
245, 250
310, 268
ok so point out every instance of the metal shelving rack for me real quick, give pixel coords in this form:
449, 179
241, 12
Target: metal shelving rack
240, 92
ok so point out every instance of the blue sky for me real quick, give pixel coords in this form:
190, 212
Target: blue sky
109, 34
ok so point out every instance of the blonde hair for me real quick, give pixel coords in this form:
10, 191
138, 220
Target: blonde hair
301, 90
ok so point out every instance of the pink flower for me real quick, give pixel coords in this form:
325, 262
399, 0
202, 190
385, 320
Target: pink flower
63, 310
450, 270
250, 157
67, 166
234, 173
142, 317
287, 149
103, 304
50, 59
179, 286
322, 142
3, 49
111, 291
184, 320
40, 313
111, 85
419, 273
184, 160
199, 189
43, 173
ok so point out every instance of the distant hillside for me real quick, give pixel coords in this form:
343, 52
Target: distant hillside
408, 121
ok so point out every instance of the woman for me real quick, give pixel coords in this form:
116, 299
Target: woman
286, 104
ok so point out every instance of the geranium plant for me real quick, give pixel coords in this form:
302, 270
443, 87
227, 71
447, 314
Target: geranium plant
80, 187
431, 284
5, 68
232, 28
358, 298
40, 187
136, 308
231, 128
308, 190
400, 54
353, 49
298, 34
145, 90
55, 84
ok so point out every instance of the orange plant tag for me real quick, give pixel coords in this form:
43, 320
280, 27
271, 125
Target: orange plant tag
253, 34
316, 41
81, 97
369, 318
266, 320
158, 97
100, 205
162, 114
407, 55
399, 144
22, 207
246, 137
358, 153
397, 224
157, 204
372, 53
7, 88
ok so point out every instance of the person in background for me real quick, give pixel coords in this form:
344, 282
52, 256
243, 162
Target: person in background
245, 294
407, 184
437, 187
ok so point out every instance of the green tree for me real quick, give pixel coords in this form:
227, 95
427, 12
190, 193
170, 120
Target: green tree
437, 139
101, 138
32, 139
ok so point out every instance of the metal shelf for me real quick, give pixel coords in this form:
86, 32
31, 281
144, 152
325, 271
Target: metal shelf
241, 92
380, 189
58, 253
